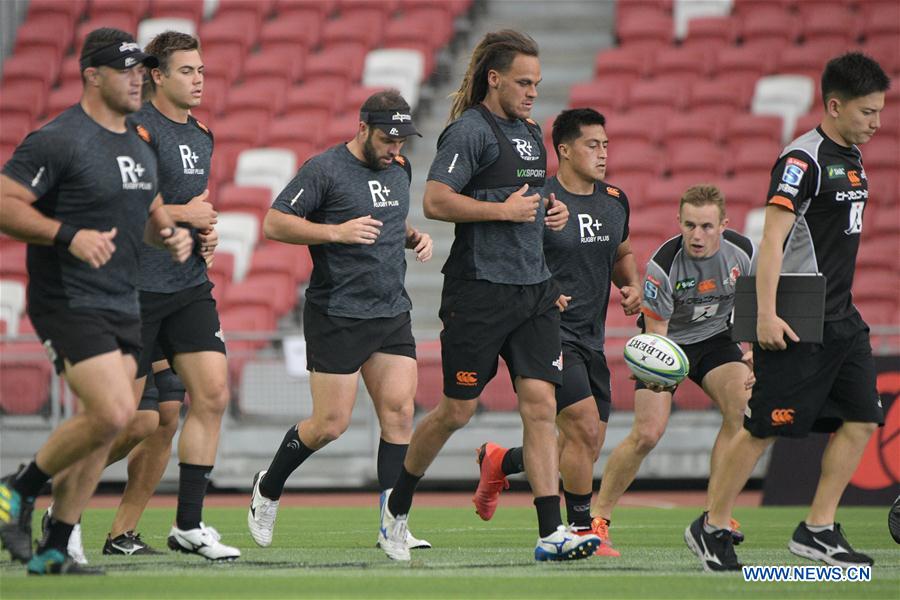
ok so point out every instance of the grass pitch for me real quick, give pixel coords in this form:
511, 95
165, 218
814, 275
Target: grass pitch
330, 553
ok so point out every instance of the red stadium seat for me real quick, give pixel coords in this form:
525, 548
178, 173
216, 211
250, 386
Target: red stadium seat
25, 97
14, 127
881, 20
691, 127
186, 9
297, 127
241, 28
756, 60
224, 159
498, 394
633, 128
622, 388
236, 129
742, 7
428, 26
215, 93
691, 397
746, 191
259, 99
72, 9
811, 56
124, 20
340, 129
807, 122
70, 71
622, 62
877, 253
874, 284
711, 32
686, 64
733, 93
635, 157
833, 20
6, 152
275, 290
343, 60
600, 95
657, 94
322, 94
325, 8
646, 28
250, 317
222, 267
50, 30
276, 62
253, 200
282, 258
754, 157
632, 185
24, 384
430, 374
302, 26
882, 152
364, 26
703, 160
746, 128
135, 10
39, 64
12, 262
262, 8
770, 25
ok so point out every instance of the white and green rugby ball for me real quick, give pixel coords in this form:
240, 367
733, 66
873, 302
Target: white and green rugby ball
656, 359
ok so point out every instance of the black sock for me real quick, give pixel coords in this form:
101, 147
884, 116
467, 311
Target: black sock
549, 517
401, 498
291, 454
390, 461
29, 481
56, 536
192, 483
513, 461
578, 509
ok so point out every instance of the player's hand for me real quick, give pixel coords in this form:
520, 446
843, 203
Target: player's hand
770, 332
521, 208
420, 243
562, 303
93, 247
631, 300
178, 242
201, 214
557, 214
747, 359
362, 230
656, 387
209, 239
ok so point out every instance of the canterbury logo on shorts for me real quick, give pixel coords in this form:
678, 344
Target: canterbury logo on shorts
782, 416
467, 378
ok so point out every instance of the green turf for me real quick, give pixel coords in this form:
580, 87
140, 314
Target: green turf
329, 553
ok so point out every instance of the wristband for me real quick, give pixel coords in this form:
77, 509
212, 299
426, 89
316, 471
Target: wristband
65, 235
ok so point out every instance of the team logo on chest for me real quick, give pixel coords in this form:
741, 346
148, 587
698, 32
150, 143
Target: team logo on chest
589, 229
132, 173
189, 160
525, 149
381, 194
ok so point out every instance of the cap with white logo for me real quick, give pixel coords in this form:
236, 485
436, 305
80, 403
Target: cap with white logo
393, 122
119, 55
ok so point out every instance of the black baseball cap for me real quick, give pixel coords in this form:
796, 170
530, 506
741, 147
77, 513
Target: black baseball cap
396, 123
119, 55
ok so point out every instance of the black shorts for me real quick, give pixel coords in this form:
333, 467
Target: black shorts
815, 387
585, 374
341, 345
707, 355
78, 335
484, 320
181, 322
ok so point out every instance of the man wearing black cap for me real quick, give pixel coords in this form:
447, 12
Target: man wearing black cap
349, 205
82, 191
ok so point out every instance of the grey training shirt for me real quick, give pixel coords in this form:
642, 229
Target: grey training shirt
696, 295
581, 257
496, 251
91, 178
353, 280
184, 154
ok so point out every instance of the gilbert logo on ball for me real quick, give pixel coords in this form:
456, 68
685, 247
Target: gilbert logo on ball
656, 359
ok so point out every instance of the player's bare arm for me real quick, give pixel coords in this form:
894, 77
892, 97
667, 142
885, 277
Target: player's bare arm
292, 229
770, 328
626, 277
162, 231
198, 212
419, 242
441, 203
19, 219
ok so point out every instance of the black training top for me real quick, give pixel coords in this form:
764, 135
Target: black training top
488, 158
89, 177
581, 257
825, 186
353, 280
184, 153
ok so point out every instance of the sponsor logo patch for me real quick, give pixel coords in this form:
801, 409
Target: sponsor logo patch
797, 162
613, 191
685, 284
650, 290
782, 416
788, 189
467, 378
792, 174
853, 176
707, 285
836, 171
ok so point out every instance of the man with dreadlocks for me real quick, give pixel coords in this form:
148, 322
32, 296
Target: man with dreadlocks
498, 297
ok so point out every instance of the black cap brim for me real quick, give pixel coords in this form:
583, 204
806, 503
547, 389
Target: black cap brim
398, 130
134, 59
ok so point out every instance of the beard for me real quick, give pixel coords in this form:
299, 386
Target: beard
373, 161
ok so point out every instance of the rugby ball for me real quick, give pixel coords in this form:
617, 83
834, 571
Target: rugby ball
656, 359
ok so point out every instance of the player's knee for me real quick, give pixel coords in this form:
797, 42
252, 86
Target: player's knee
325, 431
168, 423
112, 420
142, 425
586, 435
213, 399
455, 414
169, 385
646, 438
